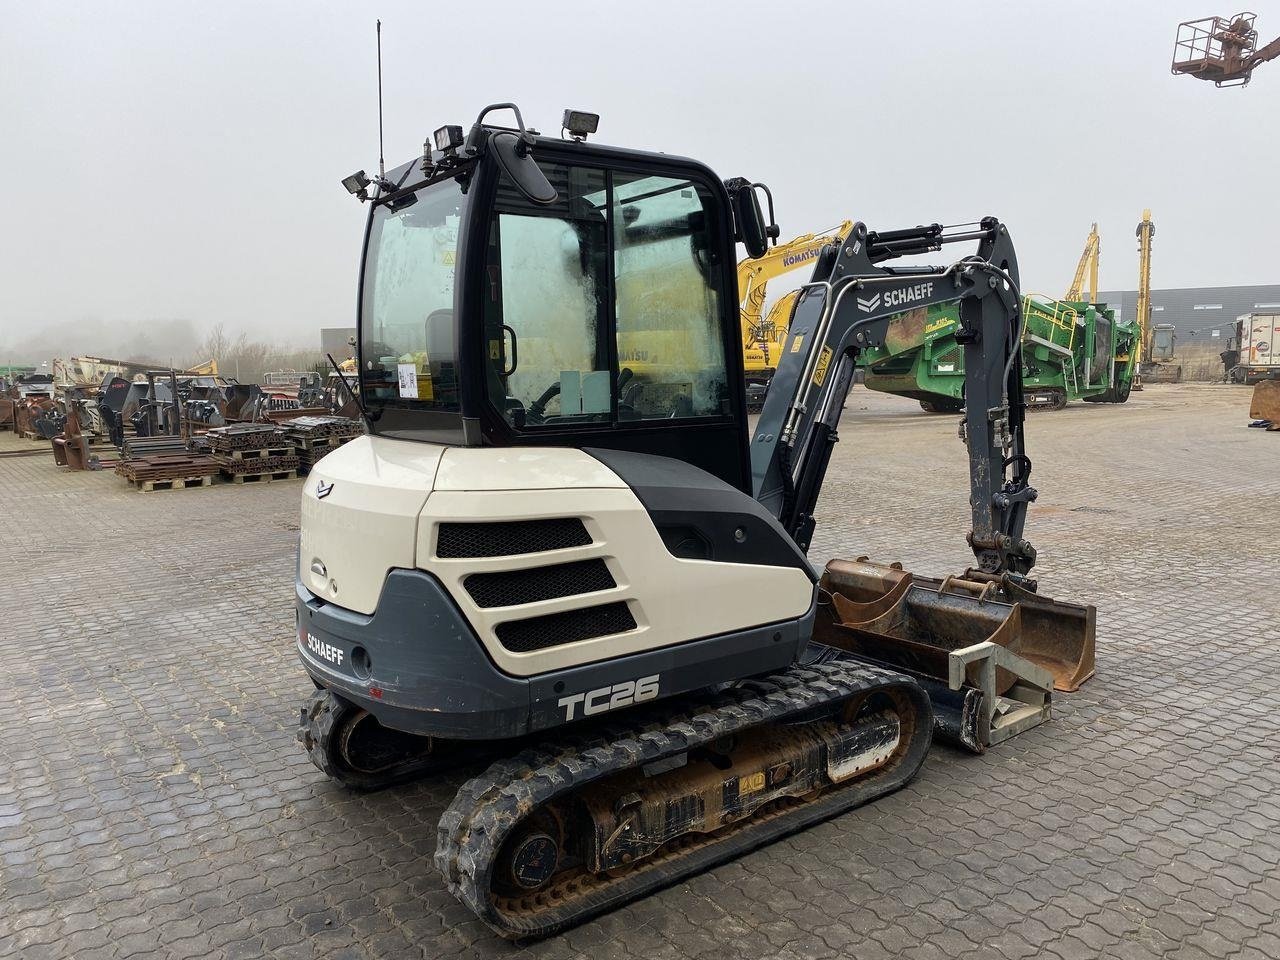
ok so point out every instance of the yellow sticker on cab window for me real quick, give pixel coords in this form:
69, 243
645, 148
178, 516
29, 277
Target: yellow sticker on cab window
796, 341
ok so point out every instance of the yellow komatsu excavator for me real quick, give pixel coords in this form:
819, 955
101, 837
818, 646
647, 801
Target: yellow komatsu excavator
763, 335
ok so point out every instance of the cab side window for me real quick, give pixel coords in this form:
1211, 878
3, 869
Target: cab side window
547, 307
605, 306
671, 356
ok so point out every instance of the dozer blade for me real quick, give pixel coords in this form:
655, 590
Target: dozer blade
914, 622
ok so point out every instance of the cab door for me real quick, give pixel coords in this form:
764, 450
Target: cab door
610, 319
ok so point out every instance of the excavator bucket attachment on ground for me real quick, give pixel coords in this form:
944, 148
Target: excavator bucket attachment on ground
943, 632
1265, 404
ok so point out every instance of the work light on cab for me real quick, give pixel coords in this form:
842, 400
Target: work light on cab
357, 184
579, 124
448, 138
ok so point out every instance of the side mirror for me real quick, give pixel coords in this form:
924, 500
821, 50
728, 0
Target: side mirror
517, 163
748, 217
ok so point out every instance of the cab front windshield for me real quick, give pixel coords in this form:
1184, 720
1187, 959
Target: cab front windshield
406, 322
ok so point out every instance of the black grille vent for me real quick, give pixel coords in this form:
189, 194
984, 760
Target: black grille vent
954, 355
541, 583
538, 633
508, 539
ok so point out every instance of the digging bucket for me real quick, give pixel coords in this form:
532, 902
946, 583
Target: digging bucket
886, 613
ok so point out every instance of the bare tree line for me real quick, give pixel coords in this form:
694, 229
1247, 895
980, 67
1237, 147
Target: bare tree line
249, 360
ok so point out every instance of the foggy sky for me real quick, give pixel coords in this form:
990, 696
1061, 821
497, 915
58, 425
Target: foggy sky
179, 162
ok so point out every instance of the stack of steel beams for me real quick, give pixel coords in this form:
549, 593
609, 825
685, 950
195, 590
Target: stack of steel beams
167, 471
315, 436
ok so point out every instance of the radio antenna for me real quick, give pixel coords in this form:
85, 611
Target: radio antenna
382, 167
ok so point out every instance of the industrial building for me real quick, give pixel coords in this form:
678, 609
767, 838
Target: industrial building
1200, 315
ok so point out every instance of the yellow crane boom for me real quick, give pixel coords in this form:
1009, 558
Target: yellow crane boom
1088, 264
1146, 230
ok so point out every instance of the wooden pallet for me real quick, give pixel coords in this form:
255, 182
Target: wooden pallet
309, 458
257, 453
176, 483
261, 477
321, 443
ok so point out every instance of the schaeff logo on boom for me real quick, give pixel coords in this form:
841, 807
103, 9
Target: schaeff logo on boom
919, 291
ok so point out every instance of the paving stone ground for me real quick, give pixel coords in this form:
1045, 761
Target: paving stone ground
154, 803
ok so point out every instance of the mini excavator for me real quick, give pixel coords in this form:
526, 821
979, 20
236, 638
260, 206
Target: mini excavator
562, 543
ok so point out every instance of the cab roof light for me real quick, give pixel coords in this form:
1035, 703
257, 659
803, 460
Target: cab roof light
448, 138
357, 184
579, 124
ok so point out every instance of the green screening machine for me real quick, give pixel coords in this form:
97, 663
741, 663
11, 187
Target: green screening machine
1071, 350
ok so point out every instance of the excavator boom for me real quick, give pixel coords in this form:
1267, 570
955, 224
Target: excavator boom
837, 318
1088, 265
1145, 232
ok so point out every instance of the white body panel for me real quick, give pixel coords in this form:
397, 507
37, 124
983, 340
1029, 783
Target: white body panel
522, 468
377, 517
367, 523
671, 599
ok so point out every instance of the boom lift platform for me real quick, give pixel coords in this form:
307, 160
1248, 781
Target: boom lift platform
563, 543
1221, 49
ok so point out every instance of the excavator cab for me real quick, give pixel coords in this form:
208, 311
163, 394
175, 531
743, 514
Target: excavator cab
600, 313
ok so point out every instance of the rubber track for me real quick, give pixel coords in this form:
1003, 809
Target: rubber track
319, 722
489, 807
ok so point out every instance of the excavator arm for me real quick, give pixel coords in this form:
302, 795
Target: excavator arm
836, 318
1088, 264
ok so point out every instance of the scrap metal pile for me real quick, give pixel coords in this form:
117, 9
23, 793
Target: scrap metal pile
168, 470
173, 428
33, 416
315, 436
253, 450
239, 452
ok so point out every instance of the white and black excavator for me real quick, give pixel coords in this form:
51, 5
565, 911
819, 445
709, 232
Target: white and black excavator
564, 545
